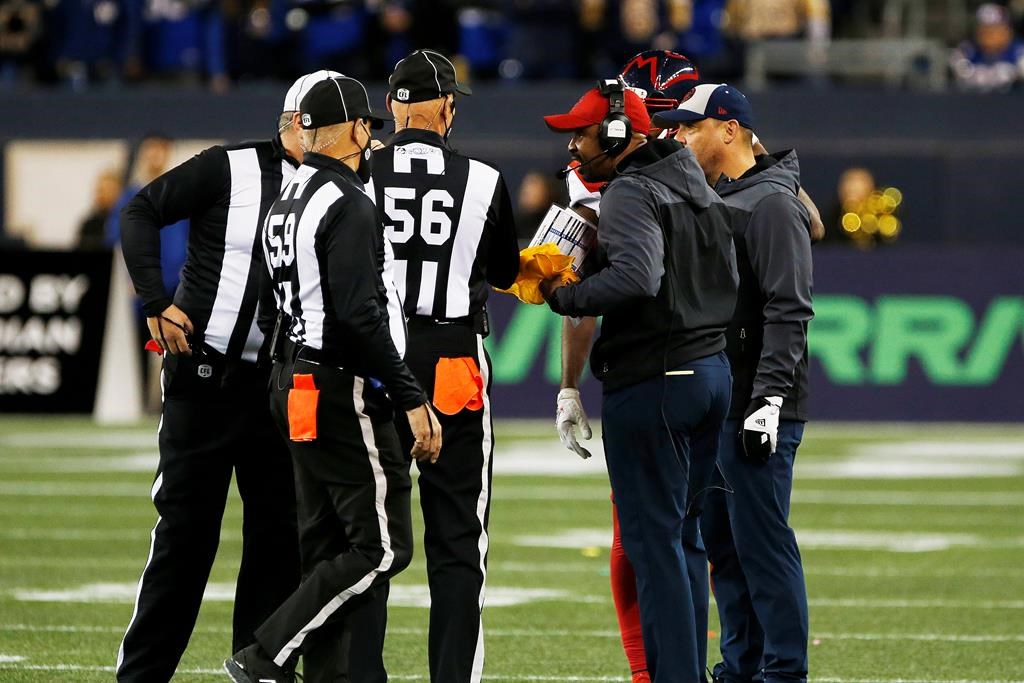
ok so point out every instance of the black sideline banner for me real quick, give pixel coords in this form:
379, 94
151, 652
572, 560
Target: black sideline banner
53, 309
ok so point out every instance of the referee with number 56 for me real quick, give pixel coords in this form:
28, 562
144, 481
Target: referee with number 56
449, 220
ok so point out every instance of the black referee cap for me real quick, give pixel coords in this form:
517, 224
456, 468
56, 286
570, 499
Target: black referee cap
337, 100
424, 75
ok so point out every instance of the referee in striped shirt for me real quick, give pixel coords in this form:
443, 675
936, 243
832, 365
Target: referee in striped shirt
336, 382
215, 418
449, 220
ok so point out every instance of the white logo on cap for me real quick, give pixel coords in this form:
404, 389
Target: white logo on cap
402, 94
306, 119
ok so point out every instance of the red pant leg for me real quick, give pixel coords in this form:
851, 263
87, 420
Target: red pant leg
623, 582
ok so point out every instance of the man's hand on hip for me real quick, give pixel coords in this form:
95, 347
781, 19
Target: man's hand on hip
760, 433
569, 415
171, 330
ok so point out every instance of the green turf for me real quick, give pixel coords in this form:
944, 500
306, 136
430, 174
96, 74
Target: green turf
950, 612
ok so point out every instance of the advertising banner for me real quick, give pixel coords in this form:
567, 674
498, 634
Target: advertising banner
53, 308
907, 333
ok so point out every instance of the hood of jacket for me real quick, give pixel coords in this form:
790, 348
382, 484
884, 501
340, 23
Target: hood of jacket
781, 169
672, 165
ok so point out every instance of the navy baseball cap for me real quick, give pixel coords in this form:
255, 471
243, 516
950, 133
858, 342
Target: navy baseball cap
709, 101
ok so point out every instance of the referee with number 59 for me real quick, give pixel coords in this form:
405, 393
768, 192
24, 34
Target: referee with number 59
337, 374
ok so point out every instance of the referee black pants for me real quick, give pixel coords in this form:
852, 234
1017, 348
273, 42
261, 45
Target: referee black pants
455, 497
355, 528
210, 427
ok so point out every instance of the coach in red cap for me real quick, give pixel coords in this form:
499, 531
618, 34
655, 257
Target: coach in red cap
665, 279
607, 123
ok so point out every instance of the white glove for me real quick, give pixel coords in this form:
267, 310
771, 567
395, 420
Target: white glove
761, 428
568, 416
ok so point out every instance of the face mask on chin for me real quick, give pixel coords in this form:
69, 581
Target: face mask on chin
451, 124
365, 168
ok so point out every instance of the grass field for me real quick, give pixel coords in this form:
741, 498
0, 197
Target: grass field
912, 537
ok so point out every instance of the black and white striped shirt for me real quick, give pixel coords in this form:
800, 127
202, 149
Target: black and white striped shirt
225, 192
449, 221
325, 259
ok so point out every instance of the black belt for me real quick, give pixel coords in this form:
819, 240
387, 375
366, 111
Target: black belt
295, 352
477, 322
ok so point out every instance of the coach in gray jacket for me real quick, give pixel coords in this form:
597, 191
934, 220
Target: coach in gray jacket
756, 569
665, 281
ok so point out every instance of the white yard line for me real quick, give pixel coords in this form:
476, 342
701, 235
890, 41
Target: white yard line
923, 637
596, 566
402, 595
832, 539
506, 489
909, 572
922, 603
568, 633
92, 489
139, 462
907, 498
122, 535
21, 666
78, 440
814, 679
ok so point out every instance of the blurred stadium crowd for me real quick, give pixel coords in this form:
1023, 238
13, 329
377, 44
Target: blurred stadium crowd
102, 43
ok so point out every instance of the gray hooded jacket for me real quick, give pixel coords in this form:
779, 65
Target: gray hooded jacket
665, 277
767, 339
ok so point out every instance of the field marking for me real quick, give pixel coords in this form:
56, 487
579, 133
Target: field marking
814, 679
121, 535
929, 449
832, 539
916, 603
921, 459
923, 637
77, 440
597, 566
11, 659
900, 573
71, 628
872, 468
94, 489
139, 462
412, 596
896, 542
562, 633
399, 677
508, 491
21, 666
907, 498
418, 596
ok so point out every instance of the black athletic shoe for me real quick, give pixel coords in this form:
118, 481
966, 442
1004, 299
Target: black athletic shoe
253, 665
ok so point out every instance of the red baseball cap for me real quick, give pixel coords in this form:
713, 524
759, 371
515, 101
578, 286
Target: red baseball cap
593, 107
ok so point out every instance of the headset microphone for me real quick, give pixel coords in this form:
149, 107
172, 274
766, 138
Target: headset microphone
564, 173
614, 131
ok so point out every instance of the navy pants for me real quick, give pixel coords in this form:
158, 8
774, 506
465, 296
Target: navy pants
755, 563
661, 440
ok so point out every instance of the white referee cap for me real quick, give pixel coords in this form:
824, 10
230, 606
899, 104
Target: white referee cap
302, 85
